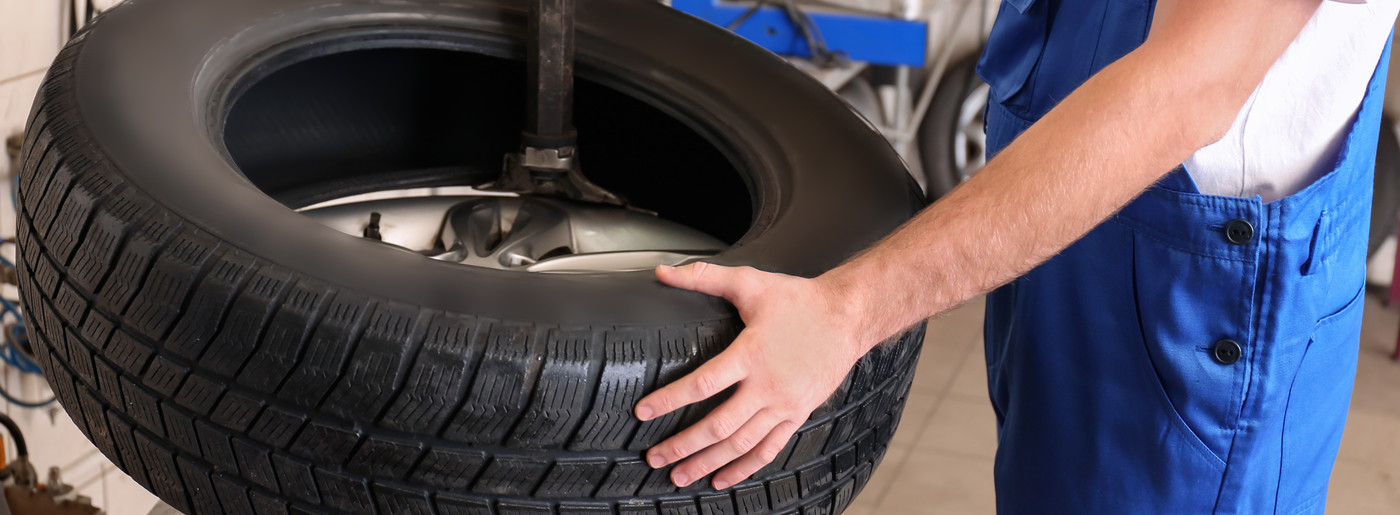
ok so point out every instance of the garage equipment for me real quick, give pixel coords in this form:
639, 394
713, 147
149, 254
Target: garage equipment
548, 161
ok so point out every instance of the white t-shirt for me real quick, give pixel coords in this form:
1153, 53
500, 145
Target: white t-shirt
1289, 132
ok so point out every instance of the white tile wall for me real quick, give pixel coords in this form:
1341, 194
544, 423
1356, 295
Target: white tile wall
29, 35
29, 39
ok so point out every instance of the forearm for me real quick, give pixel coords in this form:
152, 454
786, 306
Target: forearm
1102, 146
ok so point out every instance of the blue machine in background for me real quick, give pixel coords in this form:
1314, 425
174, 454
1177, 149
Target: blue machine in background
859, 37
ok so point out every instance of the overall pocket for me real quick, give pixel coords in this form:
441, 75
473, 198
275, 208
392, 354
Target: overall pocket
1318, 400
1188, 305
1014, 47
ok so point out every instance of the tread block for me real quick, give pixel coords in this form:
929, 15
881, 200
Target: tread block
343, 492
179, 430
844, 461
564, 388
819, 506
143, 407
59, 183
72, 219
510, 475
678, 349
385, 457
165, 478
248, 314
232, 495
717, 504
98, 430
624, 479
679, 507
815, 478
379, 361
327, 351
449, 469
810, 443
80, 358
123, 435
107, 383
751, 499
658, 482
212, 296
70, 305
162, 296
136, 257
199, 394
295, 479
845, 493
236, 411
573, 478
164, 376
128, 354
199, 486
36, 149
438, 378
45, 276
325, 444
281, 345
254, 464
216, 447
264, 504
784, 491
105, 235
276, 426
501, 388
845, 427
621, 383
95, 331
399, 501
449, 504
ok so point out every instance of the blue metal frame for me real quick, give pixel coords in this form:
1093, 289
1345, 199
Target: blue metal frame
872, 39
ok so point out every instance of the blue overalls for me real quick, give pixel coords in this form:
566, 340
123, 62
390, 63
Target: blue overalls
1192, 354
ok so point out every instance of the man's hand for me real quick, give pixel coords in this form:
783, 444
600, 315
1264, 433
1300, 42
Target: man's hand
798, 345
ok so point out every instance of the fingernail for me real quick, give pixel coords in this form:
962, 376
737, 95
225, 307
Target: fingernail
643, 413
720, 485
667, 268
680, 479
655, 461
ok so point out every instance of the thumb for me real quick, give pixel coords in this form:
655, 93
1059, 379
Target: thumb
720, 281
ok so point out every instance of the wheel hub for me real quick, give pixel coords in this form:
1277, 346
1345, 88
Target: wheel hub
529, 233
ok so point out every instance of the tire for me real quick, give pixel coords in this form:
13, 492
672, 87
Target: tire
235, 357
1385, 202
938, 132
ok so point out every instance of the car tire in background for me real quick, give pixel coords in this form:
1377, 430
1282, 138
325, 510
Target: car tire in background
234, 356
952, 137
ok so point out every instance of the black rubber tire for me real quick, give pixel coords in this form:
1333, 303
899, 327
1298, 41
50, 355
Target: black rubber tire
936, 132
1385, 201
235, 357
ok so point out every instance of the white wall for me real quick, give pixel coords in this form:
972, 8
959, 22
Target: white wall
29, 39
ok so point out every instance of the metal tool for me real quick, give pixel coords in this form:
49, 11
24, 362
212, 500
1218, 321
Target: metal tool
547, 163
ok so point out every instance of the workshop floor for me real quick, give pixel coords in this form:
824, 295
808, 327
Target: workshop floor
941, 458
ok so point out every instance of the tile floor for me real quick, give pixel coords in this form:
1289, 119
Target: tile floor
941, 459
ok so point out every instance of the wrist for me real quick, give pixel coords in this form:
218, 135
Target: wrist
849, 302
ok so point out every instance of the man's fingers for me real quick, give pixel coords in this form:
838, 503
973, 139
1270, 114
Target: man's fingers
720, 281
721, 453
713, 377
763, 454
722, 423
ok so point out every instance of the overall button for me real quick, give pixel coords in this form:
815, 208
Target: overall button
1226, 352
1239, 231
